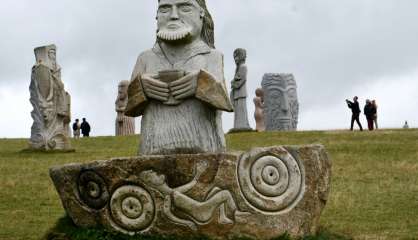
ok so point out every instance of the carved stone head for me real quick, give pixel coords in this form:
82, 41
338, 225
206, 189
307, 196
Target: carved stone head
47, 111
259, 93
46, 55
281, 101
152, 178
182, 21
123, 89
240, 55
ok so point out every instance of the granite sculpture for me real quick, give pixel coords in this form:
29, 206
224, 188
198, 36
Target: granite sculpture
184, 183
178, 86
239, 92
262, 193
124, 125
281, 106
259, 110
51, 103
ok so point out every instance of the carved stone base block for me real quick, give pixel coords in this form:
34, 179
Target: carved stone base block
262, 193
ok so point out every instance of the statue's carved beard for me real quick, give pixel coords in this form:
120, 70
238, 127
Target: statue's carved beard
181, 33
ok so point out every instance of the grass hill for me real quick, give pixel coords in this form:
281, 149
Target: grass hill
374, 183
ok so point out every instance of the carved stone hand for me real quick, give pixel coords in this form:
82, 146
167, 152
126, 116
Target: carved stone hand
154, 88
201, 167
185, 87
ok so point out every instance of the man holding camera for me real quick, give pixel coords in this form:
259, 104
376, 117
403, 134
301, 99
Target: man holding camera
355, 109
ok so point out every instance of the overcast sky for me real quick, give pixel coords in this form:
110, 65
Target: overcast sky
335, 49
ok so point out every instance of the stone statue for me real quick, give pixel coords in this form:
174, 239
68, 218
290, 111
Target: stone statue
239, 92
259, 110
125, 126
184, 183
281, 106
178, 86
51, 103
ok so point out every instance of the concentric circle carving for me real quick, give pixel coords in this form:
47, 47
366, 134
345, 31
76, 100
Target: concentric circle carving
132, 208
93, 190
270, 183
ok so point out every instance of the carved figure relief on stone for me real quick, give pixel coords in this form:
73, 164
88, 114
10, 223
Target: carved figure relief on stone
239, 91
124, 125
51, 103
178, 86
197, 212
259, 110
261, 193
281, 108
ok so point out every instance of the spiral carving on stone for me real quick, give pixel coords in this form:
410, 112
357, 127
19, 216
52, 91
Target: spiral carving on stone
269, 183
132, 208
93, 190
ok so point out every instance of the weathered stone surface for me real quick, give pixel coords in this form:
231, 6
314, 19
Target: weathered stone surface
51, 103
178, 86
281, 106
239, 92
259, 110
262, 193
124, 125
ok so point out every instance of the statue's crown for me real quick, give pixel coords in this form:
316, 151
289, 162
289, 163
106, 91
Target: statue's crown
41, 53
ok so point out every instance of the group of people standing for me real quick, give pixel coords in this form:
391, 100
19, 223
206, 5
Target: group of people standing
370, 111
83, 127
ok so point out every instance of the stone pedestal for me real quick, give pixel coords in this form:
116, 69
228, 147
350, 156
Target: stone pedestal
262, 193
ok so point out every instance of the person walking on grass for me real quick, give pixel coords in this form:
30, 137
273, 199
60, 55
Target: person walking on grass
85, 128
406, 125
355, 109
375, 115
370, 112
76, 129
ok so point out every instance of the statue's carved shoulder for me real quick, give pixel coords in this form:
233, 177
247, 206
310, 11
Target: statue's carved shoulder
242, 72
215, 64
243, 67
216, 56
41, 71
141, 63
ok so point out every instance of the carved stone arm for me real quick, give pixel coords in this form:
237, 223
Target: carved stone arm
213, 92
187, 187
137, 100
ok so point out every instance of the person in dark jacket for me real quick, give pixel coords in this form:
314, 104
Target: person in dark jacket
370, 112
355, 109
76, 129
85, 128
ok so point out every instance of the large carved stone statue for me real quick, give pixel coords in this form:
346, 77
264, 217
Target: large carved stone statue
281, 106
184, 183
51, 103
239, 92
124, 125
259, 110
178, 86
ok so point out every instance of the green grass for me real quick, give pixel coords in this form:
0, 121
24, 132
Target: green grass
374, 183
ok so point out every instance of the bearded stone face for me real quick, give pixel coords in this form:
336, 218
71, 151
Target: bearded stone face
179, 20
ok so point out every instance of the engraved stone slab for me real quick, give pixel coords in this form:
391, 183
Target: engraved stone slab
261, 194
281, 106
